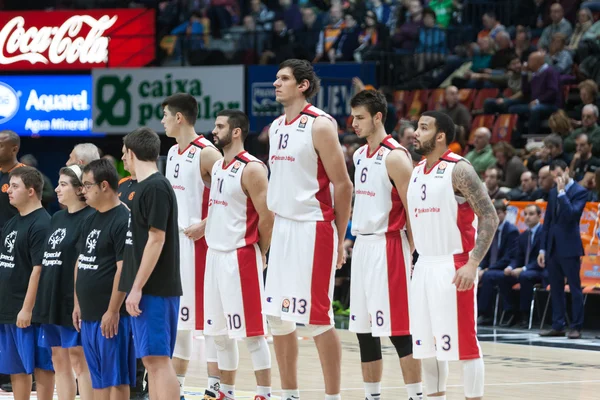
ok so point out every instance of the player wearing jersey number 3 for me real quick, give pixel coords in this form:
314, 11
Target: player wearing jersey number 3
306, 159
445, 195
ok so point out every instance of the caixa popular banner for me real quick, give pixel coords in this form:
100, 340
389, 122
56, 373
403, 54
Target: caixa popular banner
76, 39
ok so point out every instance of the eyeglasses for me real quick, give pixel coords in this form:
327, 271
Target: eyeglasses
88, 185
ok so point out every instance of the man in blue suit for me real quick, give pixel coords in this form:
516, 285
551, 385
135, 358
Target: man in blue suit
498, 257
561, 248
524, 269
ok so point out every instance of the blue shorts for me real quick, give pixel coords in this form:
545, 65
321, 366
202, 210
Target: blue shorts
155, 330
111, 361
59, 336
20, 352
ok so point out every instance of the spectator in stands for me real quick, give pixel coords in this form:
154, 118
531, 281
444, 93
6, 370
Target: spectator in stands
432, 46
279, 46
589, 126
456, 110
559, 24
542, 93
562, 249
83, 154
512, 80
510, 163
372, 40
383, 11
309, 34
545, 183
492, 178
584, 165
504, 52
347, 42
491, 25
189, 36
594, 194
406, 136
223, 14
250, 43
483, 52
523, 47
526, 190
558, 56
532, 14
443, 11
291, 14
588, 93
585, 19
498, 257
559, 123
482, 156
554, 145
330, 33
523, 269
262, 15
593, 5
406, 37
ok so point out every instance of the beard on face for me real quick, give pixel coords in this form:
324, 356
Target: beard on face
222, 143
426, 147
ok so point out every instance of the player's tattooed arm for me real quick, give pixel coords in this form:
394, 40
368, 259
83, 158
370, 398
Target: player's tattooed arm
467, 183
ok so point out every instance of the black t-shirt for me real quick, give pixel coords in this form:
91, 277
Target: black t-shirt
154, 205
126, 191
6, 210
583, 166
54, 301
22, 248
102, 243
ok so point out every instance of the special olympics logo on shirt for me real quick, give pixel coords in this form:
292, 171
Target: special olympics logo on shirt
9, 241
57, 237
92, 240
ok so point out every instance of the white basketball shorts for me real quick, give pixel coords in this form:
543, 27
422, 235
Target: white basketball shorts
192, 265
380, 276
443, 321
301, 271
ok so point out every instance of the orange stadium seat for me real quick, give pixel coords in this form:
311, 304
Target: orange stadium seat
466, 97
436, 100
479, 121
503, 128
418, 104
481, 96
402, 100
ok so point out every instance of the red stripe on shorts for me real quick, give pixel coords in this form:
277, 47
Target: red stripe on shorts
397, 286
468, 347
250, 291
200, 249
320, 303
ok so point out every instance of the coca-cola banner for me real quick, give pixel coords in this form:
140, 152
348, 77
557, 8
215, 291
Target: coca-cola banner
125, 99
76, 39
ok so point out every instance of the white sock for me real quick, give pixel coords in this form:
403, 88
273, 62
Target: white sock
437, 398
264, 391
372, 390
333, 397
214, 384
229, 391
181, 380
415, 391
290, 394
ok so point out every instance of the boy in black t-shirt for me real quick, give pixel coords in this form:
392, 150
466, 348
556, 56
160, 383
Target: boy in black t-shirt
22, 247
154, 285
99, 309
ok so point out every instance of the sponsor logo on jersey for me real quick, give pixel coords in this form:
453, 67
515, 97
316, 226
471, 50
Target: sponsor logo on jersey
131, 195
426, 210
358, 162
210, 202
303, 121
380, 154
236, 166
442, 168
285, 305
5, 188
209, 321
192, 152
353, 317
269, 299
418, 342
282, 158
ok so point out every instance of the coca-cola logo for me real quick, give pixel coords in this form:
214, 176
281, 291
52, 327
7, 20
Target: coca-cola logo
56, 44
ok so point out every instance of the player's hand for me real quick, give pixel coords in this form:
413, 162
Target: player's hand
342, 256
541, 260
133, 303
500, 101
560, 183
507, 271
465, 276
77, 318
24, 318
516, 272
195, 231
109, 326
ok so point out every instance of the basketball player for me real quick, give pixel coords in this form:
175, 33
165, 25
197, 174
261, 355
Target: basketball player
308, 233
151, 274
22, 248
382, 253
99, 311
83, 154
445, 194
238, 233
9, 148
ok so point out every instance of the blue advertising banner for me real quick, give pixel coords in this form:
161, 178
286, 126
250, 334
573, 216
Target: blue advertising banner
333, 98
46, 105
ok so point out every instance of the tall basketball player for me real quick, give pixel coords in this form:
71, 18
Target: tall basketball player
238, 233
445, 195
308, 234
382, 252
189, 168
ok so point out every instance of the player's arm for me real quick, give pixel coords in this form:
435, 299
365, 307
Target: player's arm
24, 317
110, 320
76, 309
399, 168
466, 181
255, 182
327, 145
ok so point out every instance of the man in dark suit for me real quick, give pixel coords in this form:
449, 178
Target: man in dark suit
498, 257
561, 249
524, 269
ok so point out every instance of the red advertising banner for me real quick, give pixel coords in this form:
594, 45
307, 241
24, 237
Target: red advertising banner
76, 39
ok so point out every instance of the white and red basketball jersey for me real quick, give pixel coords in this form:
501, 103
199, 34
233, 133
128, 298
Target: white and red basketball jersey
232, 219
442, 222
183, 171
299, 188
377, 205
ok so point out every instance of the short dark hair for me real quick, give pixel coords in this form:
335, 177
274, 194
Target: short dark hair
103, 170
429, 11
558, 164
583, 134
236, 119
31, 177
491, 14
73, 179
183, 103
553, 140
144, 143
13, 138
303, 70
443, 123
499, 172
538, 210
500, 205
372, 100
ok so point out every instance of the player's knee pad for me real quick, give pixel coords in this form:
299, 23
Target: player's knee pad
473, 375
317, 330
403, 345
370, 347
435, 375
259, 352
210, 348
227, 353
280, 327
183, 345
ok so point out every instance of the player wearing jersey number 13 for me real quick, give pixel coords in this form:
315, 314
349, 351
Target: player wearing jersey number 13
444, 196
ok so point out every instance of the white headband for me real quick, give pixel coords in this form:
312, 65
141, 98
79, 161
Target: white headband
77, 171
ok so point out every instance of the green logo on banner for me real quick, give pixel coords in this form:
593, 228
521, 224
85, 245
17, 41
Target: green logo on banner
118, 90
